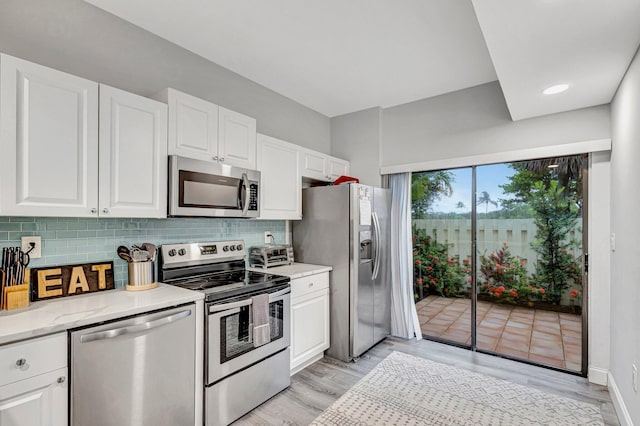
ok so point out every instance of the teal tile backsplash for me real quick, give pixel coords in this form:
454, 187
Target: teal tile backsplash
76, 240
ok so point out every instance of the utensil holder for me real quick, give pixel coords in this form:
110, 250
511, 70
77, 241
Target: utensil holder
142, 276
16, 296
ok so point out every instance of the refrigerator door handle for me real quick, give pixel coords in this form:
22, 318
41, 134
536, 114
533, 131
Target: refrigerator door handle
376, 230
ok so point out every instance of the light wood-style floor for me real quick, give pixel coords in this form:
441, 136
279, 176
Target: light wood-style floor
315, 388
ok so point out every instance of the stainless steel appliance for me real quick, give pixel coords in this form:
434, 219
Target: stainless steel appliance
207, 188
136, 371
243, 368
347, 226
270, 255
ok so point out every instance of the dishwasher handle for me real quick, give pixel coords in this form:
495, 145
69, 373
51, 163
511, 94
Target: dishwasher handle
137, 328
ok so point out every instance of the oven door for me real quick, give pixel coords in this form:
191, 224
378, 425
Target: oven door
230, 335
205, 188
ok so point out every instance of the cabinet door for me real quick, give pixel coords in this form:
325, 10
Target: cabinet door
309, 326
38, 401
314, 165
236, 139
48, 141
280, 182
193, 126
337, 168
133, 155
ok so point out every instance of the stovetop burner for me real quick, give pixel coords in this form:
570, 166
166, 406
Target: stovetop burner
216, 269
226, 285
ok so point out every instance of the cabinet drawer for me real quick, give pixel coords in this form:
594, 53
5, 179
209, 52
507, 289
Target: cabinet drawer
305, 285
22, 360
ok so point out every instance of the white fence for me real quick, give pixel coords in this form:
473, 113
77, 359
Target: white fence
517, 233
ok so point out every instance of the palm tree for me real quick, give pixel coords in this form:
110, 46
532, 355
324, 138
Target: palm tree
428, 187
485, 199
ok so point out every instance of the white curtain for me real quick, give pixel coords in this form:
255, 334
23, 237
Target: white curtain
404, 318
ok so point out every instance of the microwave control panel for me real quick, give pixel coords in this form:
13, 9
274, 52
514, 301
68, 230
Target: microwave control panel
253, 196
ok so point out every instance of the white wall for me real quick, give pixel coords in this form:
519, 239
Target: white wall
599, 284
625, 264
78, 38
476, 121
357, 137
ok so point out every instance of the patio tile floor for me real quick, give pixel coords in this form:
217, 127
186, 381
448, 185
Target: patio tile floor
545, 337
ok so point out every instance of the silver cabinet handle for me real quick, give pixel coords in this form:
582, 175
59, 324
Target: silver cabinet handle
221, 158
21, 362
61, 379
215, 158
310, 285
105, 210
115, 332
94, 211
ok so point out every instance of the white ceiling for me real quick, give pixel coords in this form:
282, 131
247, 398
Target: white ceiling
535, 44
338, 56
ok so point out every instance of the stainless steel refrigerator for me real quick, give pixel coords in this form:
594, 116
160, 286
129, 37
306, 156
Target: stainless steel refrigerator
347, 227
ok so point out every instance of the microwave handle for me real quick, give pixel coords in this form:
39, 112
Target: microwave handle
245, 184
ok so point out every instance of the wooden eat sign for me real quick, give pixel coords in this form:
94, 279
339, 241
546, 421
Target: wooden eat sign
69, 280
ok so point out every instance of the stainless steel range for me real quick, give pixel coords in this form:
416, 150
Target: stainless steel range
247, 325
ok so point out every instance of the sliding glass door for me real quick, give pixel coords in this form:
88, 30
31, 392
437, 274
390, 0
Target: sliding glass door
521, 294
441, 213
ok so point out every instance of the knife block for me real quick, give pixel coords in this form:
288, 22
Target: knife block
16, 296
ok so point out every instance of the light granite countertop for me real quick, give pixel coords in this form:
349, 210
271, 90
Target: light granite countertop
295, 270
51, 316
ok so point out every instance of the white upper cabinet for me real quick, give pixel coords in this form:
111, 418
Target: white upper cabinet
236, 139
337, 167
48, 141
66, 153
193, 126
280, 182
202, 130
318, 166
313, 165
133, 155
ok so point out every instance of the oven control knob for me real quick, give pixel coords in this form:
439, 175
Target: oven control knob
232, 247
225, 248
182, 252
239, 247
172, 252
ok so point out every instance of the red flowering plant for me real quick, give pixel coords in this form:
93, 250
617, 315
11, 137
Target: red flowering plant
434, 270
504, 276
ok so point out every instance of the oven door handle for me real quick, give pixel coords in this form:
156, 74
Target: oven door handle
273, 297
227, 306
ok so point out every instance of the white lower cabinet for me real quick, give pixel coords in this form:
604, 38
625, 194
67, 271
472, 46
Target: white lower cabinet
309, 320
38, 401
33, 383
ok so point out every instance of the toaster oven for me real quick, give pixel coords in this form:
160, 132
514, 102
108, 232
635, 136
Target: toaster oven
270, 255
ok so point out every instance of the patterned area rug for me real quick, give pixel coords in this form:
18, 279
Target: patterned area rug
406, 390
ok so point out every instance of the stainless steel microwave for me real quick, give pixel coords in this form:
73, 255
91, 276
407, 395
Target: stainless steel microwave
210, 189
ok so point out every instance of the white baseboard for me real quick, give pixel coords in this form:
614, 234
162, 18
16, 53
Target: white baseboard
598, 376
618, 403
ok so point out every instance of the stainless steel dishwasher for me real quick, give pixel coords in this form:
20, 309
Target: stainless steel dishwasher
139, 371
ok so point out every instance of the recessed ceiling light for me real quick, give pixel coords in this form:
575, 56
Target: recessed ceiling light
558, 88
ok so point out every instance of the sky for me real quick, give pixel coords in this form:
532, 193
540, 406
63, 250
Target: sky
489, 178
